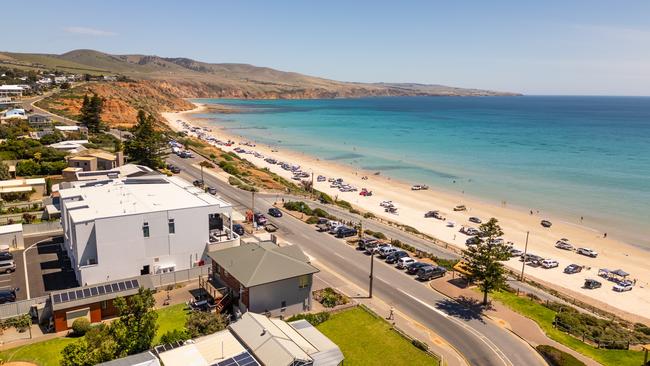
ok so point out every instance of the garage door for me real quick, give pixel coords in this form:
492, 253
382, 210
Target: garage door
71, 316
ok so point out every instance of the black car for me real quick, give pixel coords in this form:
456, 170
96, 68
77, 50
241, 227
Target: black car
394, 257
175, 169
198, 183
275, 212
8, 295
212, 190
472, 241
546, 223
344, 232
413, 268
430, 272
475, 219
572, 268
592, 284
6, 256
238, 229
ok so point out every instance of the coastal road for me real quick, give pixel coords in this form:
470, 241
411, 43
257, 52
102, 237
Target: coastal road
480, 340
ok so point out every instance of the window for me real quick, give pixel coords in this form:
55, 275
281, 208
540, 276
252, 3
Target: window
304, 281
145, 229
104, 304
172, 227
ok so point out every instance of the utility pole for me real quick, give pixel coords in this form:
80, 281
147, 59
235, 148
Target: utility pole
523, 265
253, 208
372, 269
312, 184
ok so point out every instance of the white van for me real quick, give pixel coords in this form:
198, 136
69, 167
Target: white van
402, 263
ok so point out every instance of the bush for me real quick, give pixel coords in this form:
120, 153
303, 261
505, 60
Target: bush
355, 211
421, 345
410, 229
368, 215
344, 204
330, 298
80, 326
229, 168
379, 235
233, 181
556, 357
325, 198
313, 319
320, 212
173, 336
300, 207
312, 220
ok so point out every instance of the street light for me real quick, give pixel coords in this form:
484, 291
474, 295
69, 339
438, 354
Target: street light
523, 265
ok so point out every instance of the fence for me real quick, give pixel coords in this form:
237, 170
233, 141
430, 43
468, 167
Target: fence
172, 278
42, 228
13, 309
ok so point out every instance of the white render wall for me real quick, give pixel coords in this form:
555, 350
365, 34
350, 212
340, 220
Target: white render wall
121, 250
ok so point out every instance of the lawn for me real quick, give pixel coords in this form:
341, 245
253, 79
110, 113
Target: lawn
48, 353
367, 340
545, 316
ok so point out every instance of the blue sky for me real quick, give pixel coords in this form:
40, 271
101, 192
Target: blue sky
534, 47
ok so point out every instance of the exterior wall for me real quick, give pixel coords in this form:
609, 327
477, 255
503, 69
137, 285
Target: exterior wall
13, 240
97, 314
106, 164
121, 250
88, 165
269, 297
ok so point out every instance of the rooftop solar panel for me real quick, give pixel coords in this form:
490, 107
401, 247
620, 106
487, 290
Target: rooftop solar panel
101, 290
242, 359
122, 286
93, 291
72, 296
86, 292
57, 298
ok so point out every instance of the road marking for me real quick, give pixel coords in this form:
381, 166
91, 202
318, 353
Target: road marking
5, 280
425, 304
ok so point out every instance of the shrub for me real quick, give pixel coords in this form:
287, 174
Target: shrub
344, 204
368, 215
379, 235
233, 181
556, 357
447, 263
312, 220
320, 212
325, 198
355, 211
80, 326
313, 319
228, 168
421, 345
410, 229
173, 336
330, 298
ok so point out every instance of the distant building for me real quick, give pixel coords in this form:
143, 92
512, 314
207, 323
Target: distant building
11, 91
265, 278
70, 146
18, 113
39, 121
32, 187
60, 79
97, 161
123, 227
66, 130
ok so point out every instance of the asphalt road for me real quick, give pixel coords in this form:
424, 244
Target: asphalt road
479, 339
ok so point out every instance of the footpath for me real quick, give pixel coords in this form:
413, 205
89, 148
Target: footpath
518, 324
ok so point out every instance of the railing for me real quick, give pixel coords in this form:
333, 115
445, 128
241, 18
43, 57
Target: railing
172, 278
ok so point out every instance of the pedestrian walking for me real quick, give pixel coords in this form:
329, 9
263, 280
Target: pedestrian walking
391, 314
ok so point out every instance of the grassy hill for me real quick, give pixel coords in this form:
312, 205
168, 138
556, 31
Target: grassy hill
190, 78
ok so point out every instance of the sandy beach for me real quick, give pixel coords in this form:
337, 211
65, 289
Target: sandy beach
515, 222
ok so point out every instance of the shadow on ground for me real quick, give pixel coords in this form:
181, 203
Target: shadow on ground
463, 308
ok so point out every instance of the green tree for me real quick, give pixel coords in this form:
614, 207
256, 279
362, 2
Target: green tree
95, 347
134, 331
146, 145
52, 138
484, 259
91, 110
173, 336
4, 171
28, 168
201, 323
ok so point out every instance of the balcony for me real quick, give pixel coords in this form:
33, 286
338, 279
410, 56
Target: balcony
221, 239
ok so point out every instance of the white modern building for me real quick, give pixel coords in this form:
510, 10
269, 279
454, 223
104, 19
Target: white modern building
11, 91
122, 227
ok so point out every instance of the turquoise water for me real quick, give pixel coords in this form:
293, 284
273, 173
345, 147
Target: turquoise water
564, 156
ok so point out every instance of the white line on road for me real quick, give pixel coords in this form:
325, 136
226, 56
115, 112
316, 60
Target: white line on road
425, 304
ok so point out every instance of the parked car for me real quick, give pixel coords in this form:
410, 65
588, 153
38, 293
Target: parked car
549, 263
546, 223
592, 284
212, 190
363, 242
373, 248
460, 208
270, 227
386, 251
8, 295
587, 252
7, 266
259, 218
6, 256
414, 267
563, 244
472, 241
475, 219
275, 212
623, 286
572, 268
345, 232
516, 252
395, 256
431, 272
238, 229
435, 214
403, 262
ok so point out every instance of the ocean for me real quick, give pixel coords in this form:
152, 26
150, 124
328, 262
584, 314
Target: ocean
568, 157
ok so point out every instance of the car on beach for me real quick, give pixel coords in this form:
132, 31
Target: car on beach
475, 220
591, 284
549, 263
320, 178
572, 268
546, 223
563, 244
587, 252
460, 208
623, 286
275, 212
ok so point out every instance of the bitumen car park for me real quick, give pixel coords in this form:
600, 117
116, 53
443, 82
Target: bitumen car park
48, 267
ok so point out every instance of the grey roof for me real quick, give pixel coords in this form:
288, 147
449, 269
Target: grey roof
255, 264
91, 297
329, 354
140, 359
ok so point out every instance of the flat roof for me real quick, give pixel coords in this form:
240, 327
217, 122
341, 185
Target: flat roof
135, 195
67, 128
22, 182
14, 228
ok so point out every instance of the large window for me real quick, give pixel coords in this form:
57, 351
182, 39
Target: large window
145, 229
172, 226
304, 281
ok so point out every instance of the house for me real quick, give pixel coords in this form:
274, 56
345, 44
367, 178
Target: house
122, 227
98, 160
60, 79
39, 121
67, 130
256, 340
12, 236
94, 302
11, 91
70, 146
265, 278
18, 113
71, 174
31, 187
139, 359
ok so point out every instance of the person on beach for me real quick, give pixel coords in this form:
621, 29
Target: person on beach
605, 236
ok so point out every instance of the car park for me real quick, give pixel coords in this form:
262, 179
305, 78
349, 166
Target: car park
472, 241
549, 263
430, 272
6, 256
8, 295
623, 286
414, 267
402, 263
238, 229
591, 284
435, 214
475, 220
572, 268
395, 256
460, 208
275, 212
546, 223
515, 252
587, 252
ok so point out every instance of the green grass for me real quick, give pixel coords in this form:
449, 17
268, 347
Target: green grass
367, 340
46, 353
544, 317
170, 318
49, 352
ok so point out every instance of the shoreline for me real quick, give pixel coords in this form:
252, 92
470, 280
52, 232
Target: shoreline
514, 220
